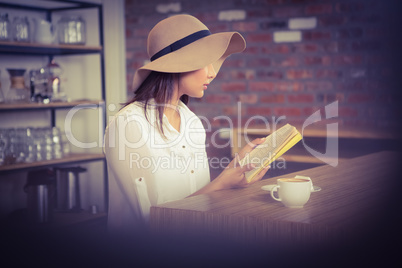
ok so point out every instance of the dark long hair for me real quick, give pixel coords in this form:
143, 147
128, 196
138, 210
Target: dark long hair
158, 86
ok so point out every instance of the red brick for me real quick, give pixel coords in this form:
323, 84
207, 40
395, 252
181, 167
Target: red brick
141, 55
366, 45
332, 21
262, 86
267, 25
349, 86
289, 86
234, 87
347, 111
206, 16
247, 74
317, 35
219, 98
365, 18
276, 49
252, 38
252, 50
217, 28
259, 62
349, 33
141, 32
288, 111
270, 74
347, 59
303, 48
318, 85
299, 74
335, 47
264, 13
321, 60
247, 98
360, 98
349, 7
286, 62
329, 97
263, 111
301, 98
325, 73
287, 12
232, 62
274, 98
245, 26
318, 9
233, 110
136, 43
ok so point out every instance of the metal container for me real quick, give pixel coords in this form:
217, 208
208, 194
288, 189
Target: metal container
68, 197
40, 195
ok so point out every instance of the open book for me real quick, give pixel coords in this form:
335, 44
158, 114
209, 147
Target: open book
275, 145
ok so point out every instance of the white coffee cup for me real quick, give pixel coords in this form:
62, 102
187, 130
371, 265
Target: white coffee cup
292, 192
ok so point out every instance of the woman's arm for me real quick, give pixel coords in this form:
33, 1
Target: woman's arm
233, 175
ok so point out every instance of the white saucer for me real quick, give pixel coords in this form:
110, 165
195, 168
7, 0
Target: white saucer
270, 186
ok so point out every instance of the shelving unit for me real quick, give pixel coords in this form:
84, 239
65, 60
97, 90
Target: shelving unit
52, 105
51, 50
46, 49
72, 158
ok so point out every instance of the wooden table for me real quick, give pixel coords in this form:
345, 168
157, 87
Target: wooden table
356, 197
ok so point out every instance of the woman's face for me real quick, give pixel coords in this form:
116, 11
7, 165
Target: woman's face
194, 83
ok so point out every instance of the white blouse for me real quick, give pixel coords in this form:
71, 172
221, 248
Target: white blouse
145, 169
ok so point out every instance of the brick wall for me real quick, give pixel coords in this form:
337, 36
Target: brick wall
300, 56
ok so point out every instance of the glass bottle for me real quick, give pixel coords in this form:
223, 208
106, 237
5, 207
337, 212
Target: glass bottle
5, 27
18, 93
2, 99
72, 30
21, 31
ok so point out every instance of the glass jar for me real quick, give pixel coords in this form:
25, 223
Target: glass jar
21, 32
18, 93
72, 30
2, 99
5, 27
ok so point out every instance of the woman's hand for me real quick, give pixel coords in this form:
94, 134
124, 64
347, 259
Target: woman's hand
245, 150
233, 176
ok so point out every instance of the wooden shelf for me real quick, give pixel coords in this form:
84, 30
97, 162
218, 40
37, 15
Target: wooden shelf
46, 49
51, 105
72, 158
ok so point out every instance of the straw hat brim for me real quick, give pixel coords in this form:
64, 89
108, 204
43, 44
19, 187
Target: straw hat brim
212, 49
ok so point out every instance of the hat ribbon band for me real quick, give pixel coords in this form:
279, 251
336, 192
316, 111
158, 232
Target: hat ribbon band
181, 43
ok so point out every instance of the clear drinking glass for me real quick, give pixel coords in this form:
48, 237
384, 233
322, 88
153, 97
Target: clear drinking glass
3, 145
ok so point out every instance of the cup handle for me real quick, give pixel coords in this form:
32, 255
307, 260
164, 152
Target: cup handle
273, 190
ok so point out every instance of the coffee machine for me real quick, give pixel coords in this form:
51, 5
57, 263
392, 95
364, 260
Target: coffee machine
45, 84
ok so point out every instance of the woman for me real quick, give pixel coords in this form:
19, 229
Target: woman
155, 146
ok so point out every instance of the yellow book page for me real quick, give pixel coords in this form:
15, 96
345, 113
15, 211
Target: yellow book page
289, 142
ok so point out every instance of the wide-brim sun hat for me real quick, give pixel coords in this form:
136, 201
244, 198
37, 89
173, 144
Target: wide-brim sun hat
182, 43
